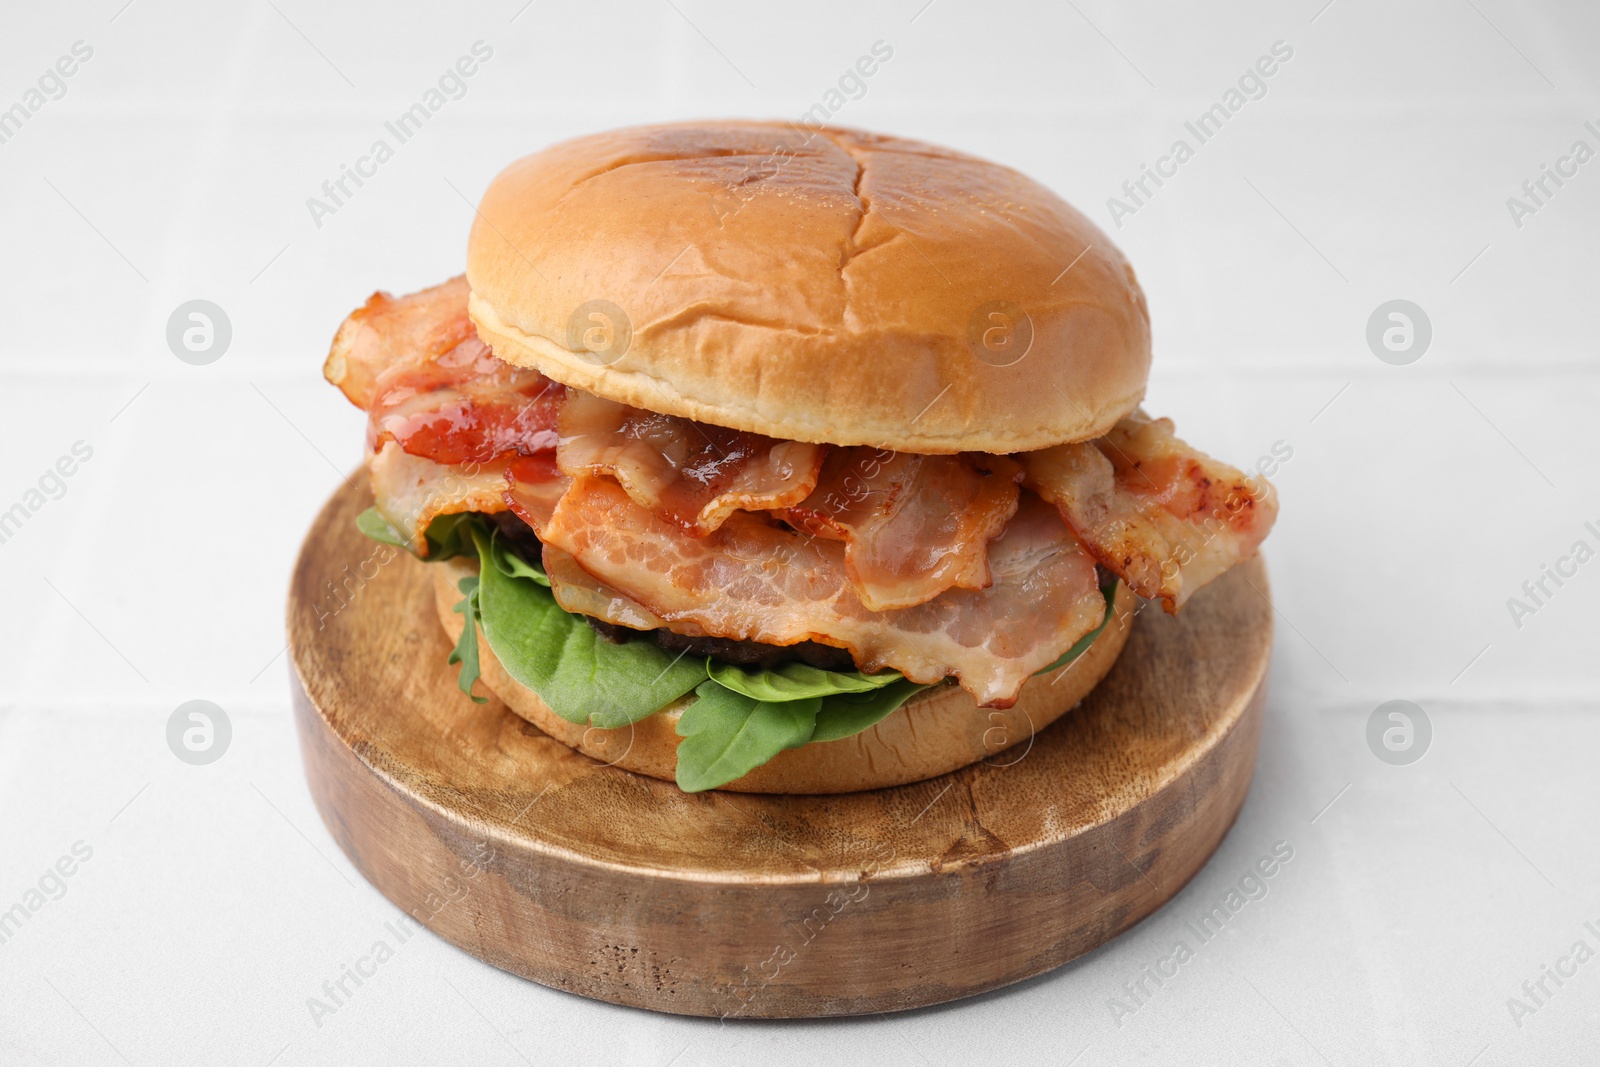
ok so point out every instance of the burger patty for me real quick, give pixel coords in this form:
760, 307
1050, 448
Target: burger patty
526, 544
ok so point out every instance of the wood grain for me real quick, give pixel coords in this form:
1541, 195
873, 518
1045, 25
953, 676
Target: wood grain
620, 887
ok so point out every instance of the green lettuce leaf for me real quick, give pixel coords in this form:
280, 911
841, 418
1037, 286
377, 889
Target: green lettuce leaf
447, 535
466, 650
372, 523
582, 677
796, 681
727, 734
847, 714
514, 566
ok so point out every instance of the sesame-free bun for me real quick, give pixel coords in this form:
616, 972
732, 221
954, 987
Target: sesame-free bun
815, 285
937, 731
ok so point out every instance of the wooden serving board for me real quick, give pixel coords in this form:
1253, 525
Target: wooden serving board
620, 887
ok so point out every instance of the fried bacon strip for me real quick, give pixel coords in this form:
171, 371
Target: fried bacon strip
446, 419
693, 475
578, 591
1162, 516
754, 579
936, 566
534, 485
387, 334
416, 366
464, 406
411, 491
913, 525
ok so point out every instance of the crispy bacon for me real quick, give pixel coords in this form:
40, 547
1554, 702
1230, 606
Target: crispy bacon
411, 491
416, 366
465, 406
533, 487
578, 591
693, 475
1162, 516
387, 334
937, 566
757, 580
913, 525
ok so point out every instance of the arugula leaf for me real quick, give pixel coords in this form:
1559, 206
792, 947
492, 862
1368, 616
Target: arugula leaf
727, 734
514, 566
583, 677
847, 714
372, 523
446, 536
796, 681
451, 535
466, 650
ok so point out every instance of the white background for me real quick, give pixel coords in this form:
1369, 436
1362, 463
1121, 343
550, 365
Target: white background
1418, 500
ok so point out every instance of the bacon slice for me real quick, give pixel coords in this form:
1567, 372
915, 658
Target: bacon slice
388, 333
464, 406
913, 525
937, 566
576, 590
692, 474
416, 366
446, 418
1162, 516
533, 488
411, 492
756, 580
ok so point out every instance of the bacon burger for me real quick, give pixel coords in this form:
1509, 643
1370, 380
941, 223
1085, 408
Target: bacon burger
783, 460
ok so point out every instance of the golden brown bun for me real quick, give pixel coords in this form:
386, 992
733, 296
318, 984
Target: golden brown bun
831, 286
937, 731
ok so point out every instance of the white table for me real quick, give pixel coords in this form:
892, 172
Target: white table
177, 165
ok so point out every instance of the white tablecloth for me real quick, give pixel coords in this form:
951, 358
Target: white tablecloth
206, 904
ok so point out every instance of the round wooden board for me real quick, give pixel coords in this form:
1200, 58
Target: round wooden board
620, 887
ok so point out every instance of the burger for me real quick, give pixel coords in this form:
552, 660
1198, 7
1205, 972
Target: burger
776, 459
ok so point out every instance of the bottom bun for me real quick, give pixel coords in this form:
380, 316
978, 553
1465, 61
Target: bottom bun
937, 731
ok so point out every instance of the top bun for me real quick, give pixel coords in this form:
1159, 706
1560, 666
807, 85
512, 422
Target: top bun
815, 285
